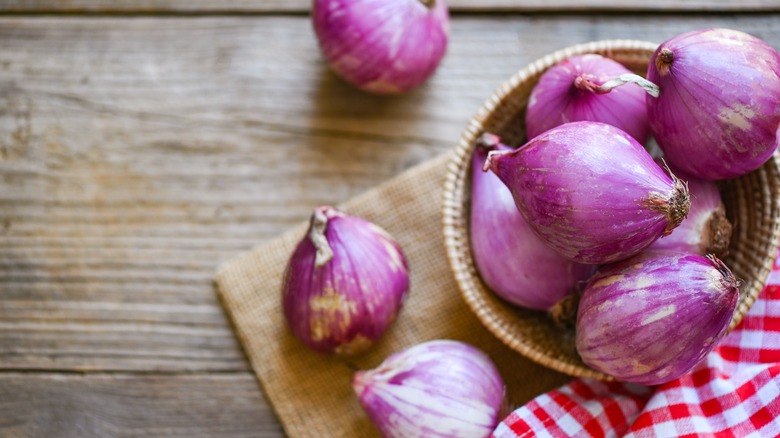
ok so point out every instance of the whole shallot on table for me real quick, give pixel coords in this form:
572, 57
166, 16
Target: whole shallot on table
344, 284
382, 46
441, 388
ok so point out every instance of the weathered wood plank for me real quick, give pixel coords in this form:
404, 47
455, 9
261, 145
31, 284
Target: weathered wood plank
303, 6
85, 406
136, 155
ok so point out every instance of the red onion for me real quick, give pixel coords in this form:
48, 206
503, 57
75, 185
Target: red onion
511, 259
653, 317
382, 46
706, 230
591, 192
581, 88
434, 389
717, 115
344, 284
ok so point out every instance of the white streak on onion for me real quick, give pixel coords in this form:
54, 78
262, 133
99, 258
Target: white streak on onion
718, 114
591, 192
514, 263
585, 88
438, 388
382, 46
344, 284
651, 318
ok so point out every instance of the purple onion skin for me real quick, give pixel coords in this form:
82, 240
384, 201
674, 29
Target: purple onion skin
652, 318
718, 115
382, 46
438, 388
706, 229
591, 192
557, 99
514, 263
345, 304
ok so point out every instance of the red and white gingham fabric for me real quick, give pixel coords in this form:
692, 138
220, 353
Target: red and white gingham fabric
734, 392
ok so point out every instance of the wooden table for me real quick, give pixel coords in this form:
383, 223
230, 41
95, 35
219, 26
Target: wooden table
144, 142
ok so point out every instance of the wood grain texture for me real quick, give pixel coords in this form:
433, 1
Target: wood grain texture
303, 6
136, 155
65, 406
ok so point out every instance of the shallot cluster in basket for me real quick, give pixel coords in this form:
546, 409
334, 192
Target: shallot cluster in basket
653, 229
580, 214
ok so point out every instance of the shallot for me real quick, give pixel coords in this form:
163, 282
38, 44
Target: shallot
344, 284
653, 317
511, 259
718, 113
382, 46
591, 192
585, 87
438, 388
706, 230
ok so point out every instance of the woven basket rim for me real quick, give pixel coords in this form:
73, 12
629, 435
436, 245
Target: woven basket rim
454, 208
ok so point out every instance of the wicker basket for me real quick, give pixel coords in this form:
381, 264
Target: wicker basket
752, 203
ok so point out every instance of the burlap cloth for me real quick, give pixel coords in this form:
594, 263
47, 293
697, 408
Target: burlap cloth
312, 394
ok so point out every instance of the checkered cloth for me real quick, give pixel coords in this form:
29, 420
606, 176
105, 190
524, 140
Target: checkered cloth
734, 392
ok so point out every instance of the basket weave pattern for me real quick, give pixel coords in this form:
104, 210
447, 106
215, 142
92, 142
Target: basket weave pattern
752, 204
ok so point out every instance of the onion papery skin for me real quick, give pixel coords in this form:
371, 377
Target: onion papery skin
512, 261
718, 112
652, 318
439, 388
591, 192
706, 230
344, 284
556, 99
382, 46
